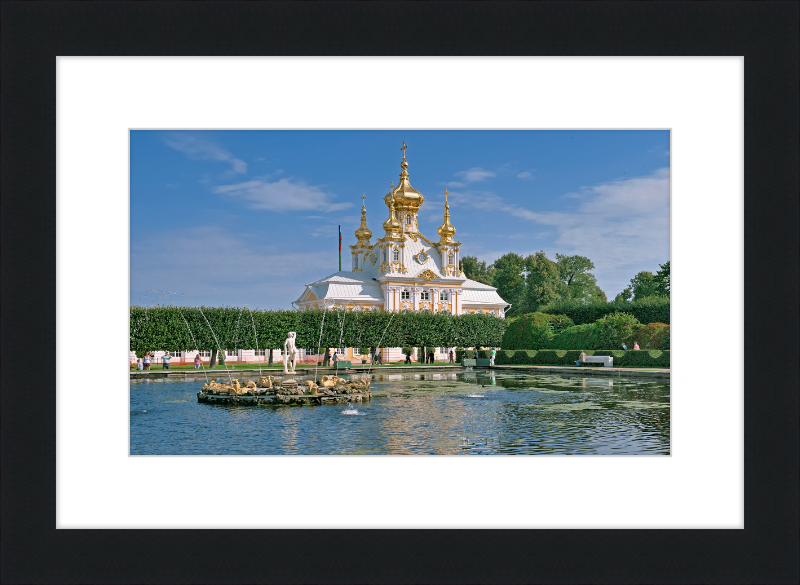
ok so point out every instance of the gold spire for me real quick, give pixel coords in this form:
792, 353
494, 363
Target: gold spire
405, 196
392, 224
446, 231
363, 233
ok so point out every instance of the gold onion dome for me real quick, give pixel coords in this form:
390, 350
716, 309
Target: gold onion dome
363, 233
405, 196
392, 224
446, 231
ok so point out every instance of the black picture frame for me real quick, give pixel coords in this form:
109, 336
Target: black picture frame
765, 33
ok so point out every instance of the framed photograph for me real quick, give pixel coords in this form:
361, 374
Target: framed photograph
723, 500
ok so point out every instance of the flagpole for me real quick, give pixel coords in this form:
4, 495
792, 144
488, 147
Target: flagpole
340, 248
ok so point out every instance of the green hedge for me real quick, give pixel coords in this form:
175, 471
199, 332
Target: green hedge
180, 328
652, 358
533, 330
646, 310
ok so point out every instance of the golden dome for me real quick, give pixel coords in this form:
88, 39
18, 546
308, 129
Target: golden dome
392, 224
363, 233
446, 231
405, 196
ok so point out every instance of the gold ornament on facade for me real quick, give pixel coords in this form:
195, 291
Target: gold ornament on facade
428, 275
422, 257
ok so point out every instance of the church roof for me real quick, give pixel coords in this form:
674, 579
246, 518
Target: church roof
351, 286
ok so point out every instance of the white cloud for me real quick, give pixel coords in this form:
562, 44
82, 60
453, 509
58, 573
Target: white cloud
282, 195
623, 226
475, 174
524, 175
198, 149
214, 267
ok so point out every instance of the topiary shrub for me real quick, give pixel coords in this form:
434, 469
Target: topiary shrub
614, 329
530, 331
650, 336
576, 337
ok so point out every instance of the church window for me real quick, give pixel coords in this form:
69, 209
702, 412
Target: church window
396, 255
424, 296
450, 258
355, 262
444, 296
384, 255
404, 295
408, 219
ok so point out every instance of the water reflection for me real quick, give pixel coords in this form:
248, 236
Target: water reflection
477, 412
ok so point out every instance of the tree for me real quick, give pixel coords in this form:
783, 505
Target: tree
571, 266
663, 279
510, 281
541, 282
625, 295
644, 285
476, 271
578, 283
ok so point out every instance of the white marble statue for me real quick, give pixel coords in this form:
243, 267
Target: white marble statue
289, 353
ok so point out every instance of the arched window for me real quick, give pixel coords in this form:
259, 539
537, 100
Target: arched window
355, 262
384, 255
450, 258
396, 255
408, 219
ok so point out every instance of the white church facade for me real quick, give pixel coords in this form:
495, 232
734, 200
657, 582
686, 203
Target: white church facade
404, 270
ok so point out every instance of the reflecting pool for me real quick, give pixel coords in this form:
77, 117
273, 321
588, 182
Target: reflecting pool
479, 412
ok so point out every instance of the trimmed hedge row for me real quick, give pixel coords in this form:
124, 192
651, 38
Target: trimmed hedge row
645, 358
178, 328
646, 310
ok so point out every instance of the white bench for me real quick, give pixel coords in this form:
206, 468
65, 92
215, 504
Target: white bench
606, 360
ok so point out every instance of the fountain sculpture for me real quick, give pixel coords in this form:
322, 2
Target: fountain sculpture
271, 390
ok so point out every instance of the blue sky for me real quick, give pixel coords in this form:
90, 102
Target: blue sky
250, 216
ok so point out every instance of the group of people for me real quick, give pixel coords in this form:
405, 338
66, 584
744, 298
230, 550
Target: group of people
143, 363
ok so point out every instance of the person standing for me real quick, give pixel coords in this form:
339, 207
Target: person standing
636, 345
491, 359
335, 359
624, 348
147, 360
452, 360
197, 361
475, 355
165, 361
408, 357
139, 365
326, 361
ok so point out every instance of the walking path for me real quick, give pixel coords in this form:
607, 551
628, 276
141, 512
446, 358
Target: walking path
662, 373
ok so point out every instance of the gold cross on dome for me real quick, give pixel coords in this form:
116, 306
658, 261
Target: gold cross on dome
362, 198
404, 148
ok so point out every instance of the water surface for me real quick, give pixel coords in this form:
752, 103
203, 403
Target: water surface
416, 414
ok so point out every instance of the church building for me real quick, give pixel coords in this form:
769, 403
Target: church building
404, 270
